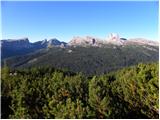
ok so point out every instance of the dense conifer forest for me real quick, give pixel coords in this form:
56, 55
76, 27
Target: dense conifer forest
88, 60
45, 92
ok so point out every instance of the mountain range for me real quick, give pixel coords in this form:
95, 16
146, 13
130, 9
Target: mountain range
14, 47
111, 39
89, 55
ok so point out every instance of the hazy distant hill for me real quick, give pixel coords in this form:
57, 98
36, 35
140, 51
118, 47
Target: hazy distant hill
15, 47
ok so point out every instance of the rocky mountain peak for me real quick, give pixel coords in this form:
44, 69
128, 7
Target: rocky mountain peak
44, 41
54, 41
23, 42
83, 41
113, 37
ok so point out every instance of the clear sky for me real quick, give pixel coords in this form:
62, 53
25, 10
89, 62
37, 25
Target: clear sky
38, 20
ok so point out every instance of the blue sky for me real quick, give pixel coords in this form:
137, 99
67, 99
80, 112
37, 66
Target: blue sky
38, 20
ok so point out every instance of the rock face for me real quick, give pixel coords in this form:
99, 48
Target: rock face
12, 47
16, 44
141, 41
85, 41
54, 41
112, 38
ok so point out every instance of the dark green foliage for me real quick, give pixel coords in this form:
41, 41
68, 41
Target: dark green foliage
99, 98
138, 88
88, 60
48, 93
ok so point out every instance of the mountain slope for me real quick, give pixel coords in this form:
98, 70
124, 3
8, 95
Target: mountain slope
89, 60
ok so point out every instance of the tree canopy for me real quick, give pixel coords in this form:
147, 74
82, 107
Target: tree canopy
44, 92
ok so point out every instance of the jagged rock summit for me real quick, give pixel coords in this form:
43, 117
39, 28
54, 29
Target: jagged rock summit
22, 46
112, 38
84, 41
14, 45
25, 42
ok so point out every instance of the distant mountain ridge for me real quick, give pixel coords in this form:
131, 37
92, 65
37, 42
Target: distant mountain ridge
24, 42
112, 38
89, 55
16, 47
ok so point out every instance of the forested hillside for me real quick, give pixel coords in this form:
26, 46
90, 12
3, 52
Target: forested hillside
48, 93
88, 60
